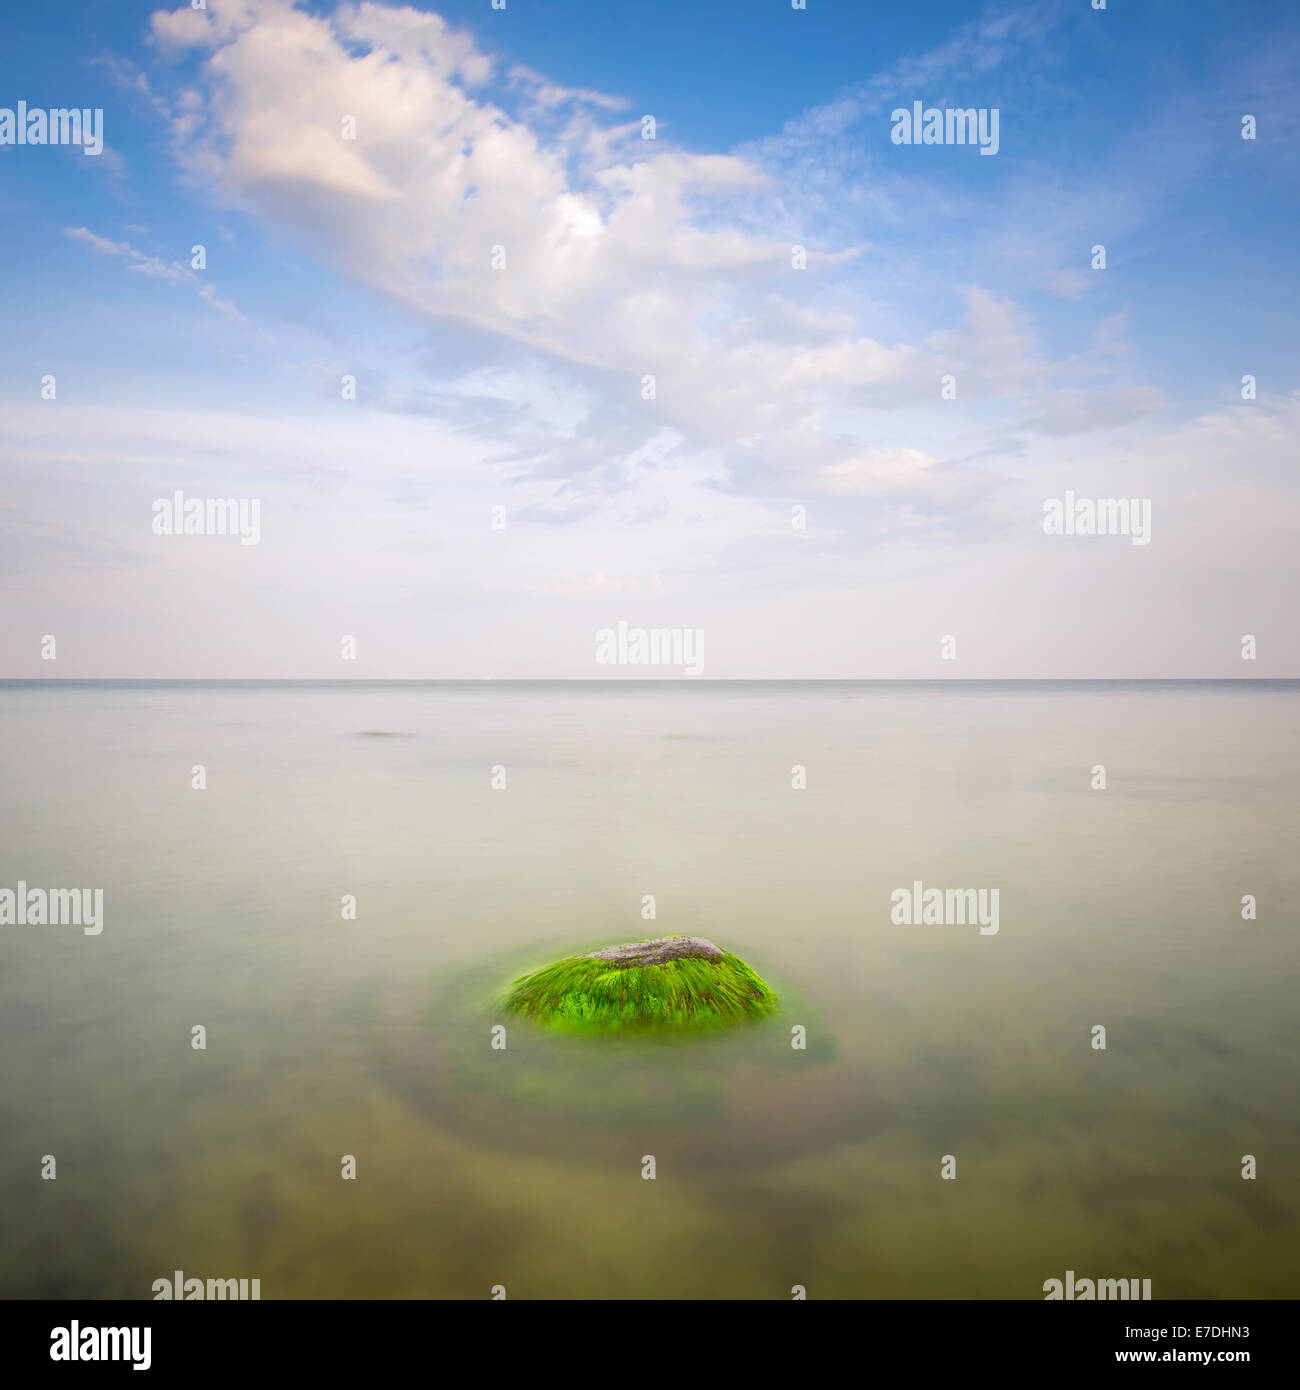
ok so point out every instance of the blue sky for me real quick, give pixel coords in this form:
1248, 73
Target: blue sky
776, 387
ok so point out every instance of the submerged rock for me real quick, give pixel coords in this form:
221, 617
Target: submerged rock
668, 984
655, 952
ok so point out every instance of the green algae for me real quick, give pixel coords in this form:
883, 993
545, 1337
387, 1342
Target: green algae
691, 994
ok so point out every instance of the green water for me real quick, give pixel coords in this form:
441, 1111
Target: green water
774, 1166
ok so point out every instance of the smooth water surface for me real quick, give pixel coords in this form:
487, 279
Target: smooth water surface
775, 1166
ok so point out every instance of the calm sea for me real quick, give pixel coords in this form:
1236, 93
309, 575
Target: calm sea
775, 1167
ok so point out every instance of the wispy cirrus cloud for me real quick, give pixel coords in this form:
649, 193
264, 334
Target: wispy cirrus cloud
175, 272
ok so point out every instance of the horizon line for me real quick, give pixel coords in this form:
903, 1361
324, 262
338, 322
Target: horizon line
641, 680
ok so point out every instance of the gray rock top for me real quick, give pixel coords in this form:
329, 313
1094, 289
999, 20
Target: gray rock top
657, 951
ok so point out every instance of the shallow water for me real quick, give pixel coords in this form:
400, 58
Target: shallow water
774, 1167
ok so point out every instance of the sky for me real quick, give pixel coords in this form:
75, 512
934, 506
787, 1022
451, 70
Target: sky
501, 373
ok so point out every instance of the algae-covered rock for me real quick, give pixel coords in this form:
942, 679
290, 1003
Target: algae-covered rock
668, 984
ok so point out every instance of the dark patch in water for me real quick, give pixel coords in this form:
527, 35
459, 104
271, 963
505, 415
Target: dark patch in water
735, 1103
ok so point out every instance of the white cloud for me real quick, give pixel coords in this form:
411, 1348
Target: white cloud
627, 264
154, 266
774, 386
